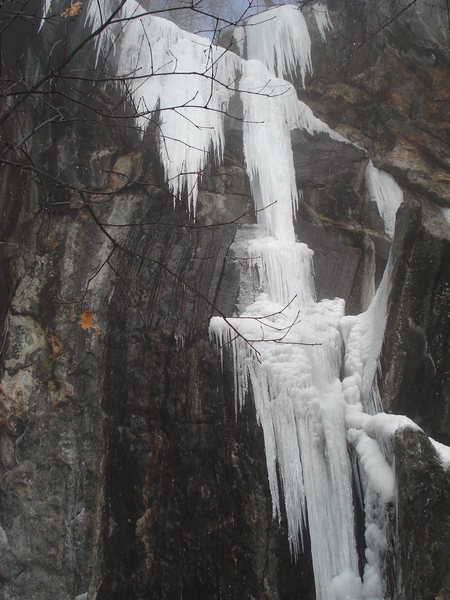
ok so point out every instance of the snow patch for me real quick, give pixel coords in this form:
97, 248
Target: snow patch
379, 472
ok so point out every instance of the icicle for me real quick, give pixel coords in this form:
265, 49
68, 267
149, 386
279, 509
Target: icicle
284, 268
267, 103
181, 76
239, 39
302, 117
323, 20
280, 39
46, 6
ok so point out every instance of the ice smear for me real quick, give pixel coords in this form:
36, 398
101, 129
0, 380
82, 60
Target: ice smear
280, 39
46, 5
446, 213
363, 337
384, 190
443, 452
323, 20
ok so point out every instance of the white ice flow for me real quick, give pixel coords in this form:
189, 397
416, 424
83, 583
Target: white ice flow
323, 20
284, 344
388, 196
290, 351
279, 38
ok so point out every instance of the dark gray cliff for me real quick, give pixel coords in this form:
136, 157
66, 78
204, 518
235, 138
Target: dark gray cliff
125, 473
124, 470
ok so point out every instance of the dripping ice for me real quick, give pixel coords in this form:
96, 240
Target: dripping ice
183, 77
279, 38
290, 346
323, 20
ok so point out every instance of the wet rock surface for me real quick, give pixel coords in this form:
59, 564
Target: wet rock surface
416, 351
423, 517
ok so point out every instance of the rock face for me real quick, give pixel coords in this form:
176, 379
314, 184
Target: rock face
125, 473
382, 86
417, 352
423, 517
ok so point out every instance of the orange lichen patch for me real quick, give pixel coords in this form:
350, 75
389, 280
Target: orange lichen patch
401, 102
345, 94
73, 10
56, 347
86, 320
143, 528
97, 332
52, 245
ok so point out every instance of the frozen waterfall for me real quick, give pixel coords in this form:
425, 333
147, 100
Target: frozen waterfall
288, 347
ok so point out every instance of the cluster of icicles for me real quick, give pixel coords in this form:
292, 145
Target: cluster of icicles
289, 347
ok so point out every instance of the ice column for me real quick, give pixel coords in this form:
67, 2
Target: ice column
290, 348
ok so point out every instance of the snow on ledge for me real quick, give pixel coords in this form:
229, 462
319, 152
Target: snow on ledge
443, 452
381, 425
